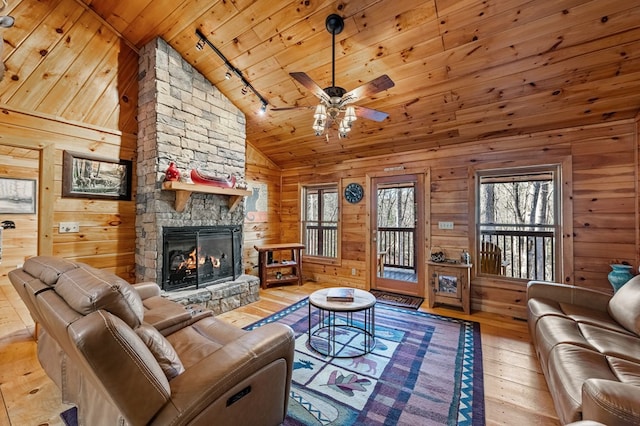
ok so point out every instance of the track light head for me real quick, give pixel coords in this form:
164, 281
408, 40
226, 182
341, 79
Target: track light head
7, 21
200, 44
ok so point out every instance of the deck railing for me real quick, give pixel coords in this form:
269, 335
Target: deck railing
400, 246
321, 240
527, 251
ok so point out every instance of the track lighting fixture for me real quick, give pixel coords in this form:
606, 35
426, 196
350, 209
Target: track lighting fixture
231, 70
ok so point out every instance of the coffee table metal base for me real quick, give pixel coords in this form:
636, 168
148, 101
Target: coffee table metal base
357, 326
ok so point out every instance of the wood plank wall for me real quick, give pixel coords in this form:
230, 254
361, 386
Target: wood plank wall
261, 227
107, 228
603, 225
22, 241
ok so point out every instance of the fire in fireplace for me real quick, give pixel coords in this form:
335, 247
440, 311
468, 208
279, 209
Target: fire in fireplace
198, 256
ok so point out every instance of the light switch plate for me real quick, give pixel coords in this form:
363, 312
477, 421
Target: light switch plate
445, 225
68, 227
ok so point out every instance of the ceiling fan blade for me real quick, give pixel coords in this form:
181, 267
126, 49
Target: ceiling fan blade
374, 86
311, 85
371, 114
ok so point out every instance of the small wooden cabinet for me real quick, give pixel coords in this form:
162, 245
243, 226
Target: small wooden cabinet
280, 264
449, 284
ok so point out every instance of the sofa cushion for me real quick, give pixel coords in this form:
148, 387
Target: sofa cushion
625, 371
162, 350
624, 306
569, 367
88, 289
48, 268
586, 315
607, 342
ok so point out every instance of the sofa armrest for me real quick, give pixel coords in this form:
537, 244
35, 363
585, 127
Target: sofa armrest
202, 391
568, 294
611, 402
147, 289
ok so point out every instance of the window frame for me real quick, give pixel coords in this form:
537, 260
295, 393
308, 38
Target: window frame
562, 169
303, 222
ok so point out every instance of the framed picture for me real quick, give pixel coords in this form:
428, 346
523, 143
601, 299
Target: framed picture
448, 284
17, 196
86, 176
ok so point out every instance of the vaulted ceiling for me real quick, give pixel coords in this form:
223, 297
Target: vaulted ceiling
464, 70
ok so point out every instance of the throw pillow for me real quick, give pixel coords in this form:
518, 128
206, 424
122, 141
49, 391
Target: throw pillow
162, 351
624, 306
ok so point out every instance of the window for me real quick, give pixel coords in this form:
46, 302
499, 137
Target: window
320, 220
518, 230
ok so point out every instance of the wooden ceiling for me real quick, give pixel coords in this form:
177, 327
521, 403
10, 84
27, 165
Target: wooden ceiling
464, 70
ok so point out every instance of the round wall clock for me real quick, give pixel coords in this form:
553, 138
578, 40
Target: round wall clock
353, 193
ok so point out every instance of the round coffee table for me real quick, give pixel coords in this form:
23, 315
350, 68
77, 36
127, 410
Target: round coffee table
342, 329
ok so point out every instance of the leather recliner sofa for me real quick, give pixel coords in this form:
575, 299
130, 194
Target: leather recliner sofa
588, 345
126, 356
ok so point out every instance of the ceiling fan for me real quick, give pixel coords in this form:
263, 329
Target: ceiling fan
335, 100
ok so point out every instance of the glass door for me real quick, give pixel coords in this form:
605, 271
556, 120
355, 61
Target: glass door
397, 234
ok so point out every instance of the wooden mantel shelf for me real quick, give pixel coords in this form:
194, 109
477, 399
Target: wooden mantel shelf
183, 192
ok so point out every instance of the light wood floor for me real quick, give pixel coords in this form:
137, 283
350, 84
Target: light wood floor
515, 390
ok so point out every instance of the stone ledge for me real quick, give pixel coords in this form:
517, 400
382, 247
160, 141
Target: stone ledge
221, 297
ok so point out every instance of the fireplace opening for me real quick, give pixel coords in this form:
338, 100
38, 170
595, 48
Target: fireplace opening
199, 256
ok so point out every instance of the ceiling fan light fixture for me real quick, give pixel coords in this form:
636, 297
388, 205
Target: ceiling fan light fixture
321, 112
345, 127
350, 115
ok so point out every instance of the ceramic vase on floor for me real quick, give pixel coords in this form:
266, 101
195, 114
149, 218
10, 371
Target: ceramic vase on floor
619, 275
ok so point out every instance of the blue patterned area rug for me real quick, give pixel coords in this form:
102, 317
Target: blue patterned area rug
425, 369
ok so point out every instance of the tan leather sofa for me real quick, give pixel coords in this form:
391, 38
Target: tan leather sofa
126, 356
588, 345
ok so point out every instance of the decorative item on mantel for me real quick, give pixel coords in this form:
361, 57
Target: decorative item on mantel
172, 173
225, 181
619, 275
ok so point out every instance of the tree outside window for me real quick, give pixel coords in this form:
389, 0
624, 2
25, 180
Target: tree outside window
320, 220
518, 226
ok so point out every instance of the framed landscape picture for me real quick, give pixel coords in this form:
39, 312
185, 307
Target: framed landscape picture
86, 176
448, 284
17, 196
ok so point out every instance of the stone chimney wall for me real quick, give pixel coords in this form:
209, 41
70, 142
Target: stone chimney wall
185, 119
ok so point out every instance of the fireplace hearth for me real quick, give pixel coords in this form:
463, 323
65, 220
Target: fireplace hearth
200, 256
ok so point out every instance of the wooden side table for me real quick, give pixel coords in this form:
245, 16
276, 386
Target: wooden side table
449, 284
275, 268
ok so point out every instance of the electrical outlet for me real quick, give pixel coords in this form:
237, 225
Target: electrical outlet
68, 227
445, 225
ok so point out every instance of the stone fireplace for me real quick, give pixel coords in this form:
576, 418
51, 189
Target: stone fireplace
184, 119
